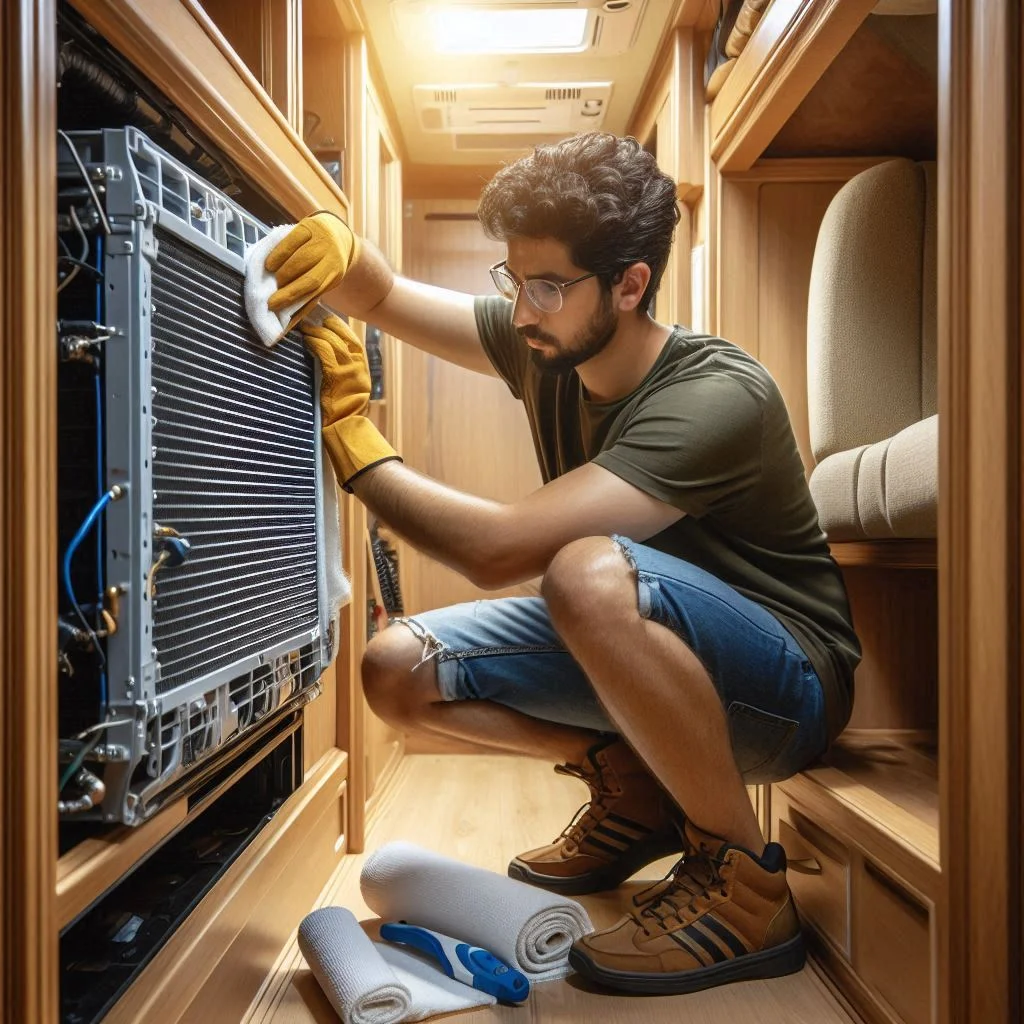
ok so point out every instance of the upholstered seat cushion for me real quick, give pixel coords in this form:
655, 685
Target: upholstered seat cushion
882, 490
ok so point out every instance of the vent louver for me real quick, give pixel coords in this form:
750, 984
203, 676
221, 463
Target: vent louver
563, 94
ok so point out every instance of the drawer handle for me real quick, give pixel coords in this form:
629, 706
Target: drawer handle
805, 866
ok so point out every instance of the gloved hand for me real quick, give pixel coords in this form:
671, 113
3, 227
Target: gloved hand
310, 260
353, 442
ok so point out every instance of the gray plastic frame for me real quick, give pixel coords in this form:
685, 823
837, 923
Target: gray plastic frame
144, 187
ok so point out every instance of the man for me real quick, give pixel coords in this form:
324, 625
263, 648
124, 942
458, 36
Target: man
693, 630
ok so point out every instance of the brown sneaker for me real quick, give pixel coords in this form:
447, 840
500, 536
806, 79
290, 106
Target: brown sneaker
629, 822
727, 915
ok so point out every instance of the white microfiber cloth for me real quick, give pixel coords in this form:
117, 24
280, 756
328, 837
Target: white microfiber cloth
260, 285
374, 982
271, 328
525, 927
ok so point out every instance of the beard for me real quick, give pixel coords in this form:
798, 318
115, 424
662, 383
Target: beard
592, 339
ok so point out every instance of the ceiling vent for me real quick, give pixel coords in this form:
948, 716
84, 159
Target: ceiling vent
505, 142
519, 109
610, 27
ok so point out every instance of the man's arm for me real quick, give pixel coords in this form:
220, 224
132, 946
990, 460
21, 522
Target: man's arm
437, 320
496, 545
321, 259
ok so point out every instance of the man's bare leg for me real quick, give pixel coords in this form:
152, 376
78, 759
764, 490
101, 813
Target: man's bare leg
652, 685
401, 687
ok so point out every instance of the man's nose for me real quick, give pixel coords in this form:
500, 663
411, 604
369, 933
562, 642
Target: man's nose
524, 313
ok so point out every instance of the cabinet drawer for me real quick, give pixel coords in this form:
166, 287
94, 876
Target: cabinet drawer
892, 943
819, 877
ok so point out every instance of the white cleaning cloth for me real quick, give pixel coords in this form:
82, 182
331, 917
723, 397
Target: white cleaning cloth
376, 982
353, 975
270, 328
260, 284
526, 927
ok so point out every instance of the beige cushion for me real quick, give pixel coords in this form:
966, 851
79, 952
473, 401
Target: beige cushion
871, 317
717, 79
884, 490
746, 21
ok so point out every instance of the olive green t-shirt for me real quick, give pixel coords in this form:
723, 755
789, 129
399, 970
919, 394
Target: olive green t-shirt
706, 431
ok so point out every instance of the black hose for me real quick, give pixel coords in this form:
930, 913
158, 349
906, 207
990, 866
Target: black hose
70, 60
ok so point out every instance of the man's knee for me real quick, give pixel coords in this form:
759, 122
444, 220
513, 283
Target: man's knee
396, 678
590, 578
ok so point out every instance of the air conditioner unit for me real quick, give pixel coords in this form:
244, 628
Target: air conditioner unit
527, 109
211, 568
607, 27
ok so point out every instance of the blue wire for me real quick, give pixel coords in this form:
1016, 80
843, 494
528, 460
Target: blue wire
72, 548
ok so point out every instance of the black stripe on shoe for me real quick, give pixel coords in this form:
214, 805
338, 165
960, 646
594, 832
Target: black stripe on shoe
627, 823
728, 937
615, 851
714, 950
698, 950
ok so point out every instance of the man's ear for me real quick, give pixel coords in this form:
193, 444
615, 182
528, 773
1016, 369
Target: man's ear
635, 279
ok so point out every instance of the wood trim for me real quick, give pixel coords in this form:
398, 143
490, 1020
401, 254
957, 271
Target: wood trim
198, 949
787, 53
28, 521
689, 92
202, 75
793, 170
886, 554
697, 14
980, 587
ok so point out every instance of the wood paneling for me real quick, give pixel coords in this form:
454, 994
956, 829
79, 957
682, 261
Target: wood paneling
28, 524
791, 47
871, 99
443, 405
436, 181
980, 388
895, 613
789, 216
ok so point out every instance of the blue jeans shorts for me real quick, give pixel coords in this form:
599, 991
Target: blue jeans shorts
507, 651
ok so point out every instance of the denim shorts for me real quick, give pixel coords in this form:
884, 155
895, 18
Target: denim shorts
507, 651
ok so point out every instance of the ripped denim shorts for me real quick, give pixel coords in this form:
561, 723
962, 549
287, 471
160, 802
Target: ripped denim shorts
507, 651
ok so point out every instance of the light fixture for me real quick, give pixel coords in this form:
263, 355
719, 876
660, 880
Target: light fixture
462, 30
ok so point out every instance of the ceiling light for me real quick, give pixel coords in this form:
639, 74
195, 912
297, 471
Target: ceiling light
517, 31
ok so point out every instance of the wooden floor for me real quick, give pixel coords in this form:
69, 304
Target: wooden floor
484, 810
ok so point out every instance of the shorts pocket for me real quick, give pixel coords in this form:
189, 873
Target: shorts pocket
758, 739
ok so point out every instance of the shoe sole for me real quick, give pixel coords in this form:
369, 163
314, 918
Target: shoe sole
610, 877
788, 958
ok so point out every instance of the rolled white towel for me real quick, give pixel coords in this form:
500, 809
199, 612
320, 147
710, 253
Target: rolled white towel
355, 978
526, 927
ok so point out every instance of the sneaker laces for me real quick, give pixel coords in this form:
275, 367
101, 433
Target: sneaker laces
575, 832
682, 893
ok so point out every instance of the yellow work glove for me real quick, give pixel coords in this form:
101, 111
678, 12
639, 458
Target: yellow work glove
310, 260
353, 442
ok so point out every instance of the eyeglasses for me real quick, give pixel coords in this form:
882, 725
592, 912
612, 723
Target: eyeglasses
545, 295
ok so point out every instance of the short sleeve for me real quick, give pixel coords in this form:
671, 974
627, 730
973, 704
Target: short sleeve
694, 444
502, 345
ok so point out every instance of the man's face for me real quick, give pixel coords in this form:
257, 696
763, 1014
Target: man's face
584, 325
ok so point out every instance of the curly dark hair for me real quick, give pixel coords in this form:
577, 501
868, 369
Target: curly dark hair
599, 194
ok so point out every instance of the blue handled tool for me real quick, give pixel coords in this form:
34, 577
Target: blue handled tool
471, 965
